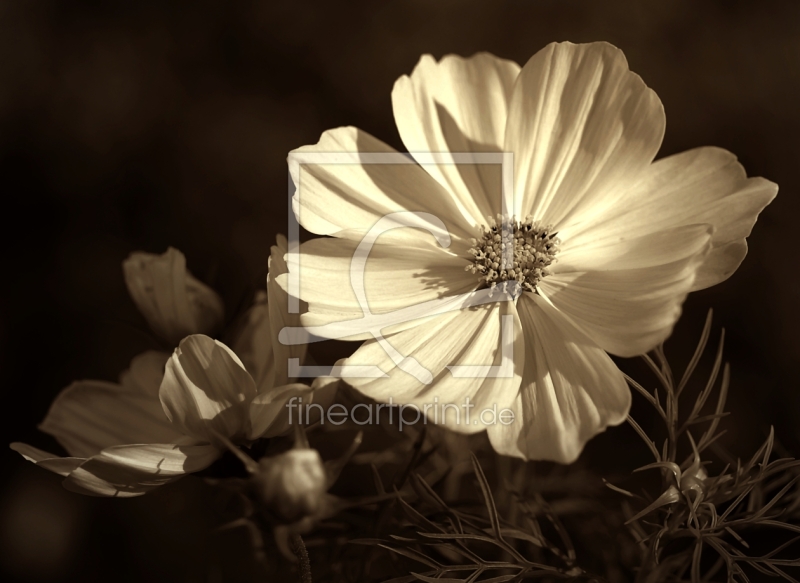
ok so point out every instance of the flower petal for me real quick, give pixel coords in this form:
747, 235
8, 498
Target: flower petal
173, 302
631, 309
145, 373
632, 251
458, 105
720, 263
88, 416
478, 337
272, 413
132, 470
269, 413
279, 317
345, 196
581, 127
395, 277
56, 464
256, 342
571, 390
206, 390
704, 185
253, 343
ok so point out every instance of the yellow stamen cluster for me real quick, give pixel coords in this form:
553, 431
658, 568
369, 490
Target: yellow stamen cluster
513, 251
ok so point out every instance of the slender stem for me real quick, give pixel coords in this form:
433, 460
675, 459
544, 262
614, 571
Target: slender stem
299, 548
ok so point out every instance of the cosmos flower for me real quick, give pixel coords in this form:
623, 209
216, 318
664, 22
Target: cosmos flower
165, 417
604, 242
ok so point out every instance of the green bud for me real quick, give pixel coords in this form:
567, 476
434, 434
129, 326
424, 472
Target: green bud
292, 485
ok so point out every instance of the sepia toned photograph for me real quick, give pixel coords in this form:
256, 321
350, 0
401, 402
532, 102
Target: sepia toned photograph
439, 291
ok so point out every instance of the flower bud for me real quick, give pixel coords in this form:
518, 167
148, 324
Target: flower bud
173, 302
292, 485
693, 480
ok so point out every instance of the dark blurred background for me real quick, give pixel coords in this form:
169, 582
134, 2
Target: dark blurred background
126, 127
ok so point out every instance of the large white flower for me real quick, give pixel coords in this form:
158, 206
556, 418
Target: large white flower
606, 242
170, 415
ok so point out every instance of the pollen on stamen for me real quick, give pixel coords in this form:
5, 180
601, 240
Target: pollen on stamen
513, 252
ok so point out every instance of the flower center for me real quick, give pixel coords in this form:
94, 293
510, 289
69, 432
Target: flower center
513, 251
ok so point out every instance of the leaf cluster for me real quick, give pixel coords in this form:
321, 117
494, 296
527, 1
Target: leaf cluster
467, 545
701, 523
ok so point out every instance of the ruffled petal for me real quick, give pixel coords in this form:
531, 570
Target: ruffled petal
206, 390
458, 105
394, 278
570, 391
704, 185
173, 302
449, 358
346, 196
89, 416
132, 470
56, 464
125, 470
632, 301
582, 128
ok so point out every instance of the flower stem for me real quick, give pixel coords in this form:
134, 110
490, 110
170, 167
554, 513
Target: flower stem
299, 548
